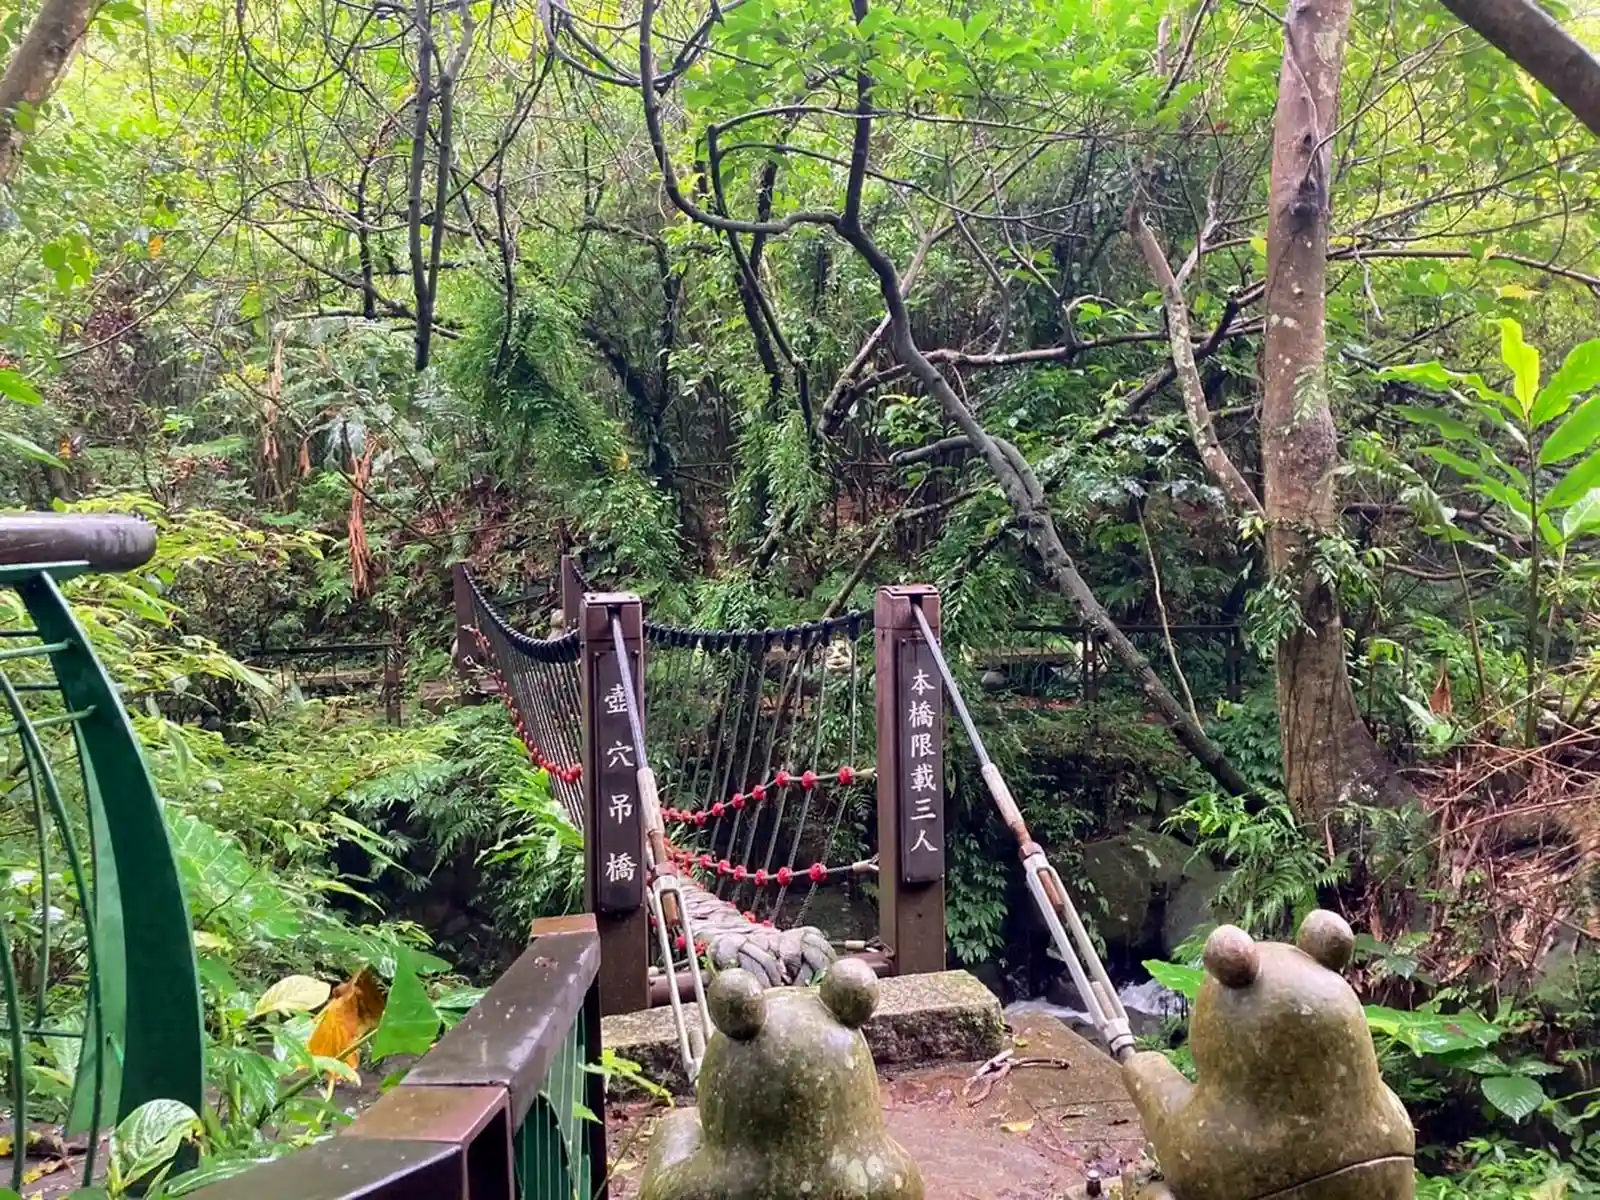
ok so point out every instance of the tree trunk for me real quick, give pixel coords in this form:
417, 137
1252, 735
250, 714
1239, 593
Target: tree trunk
31, 75
1329, 756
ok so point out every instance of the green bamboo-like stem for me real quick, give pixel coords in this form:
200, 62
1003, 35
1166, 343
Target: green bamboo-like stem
66, 718
32, 746
41, 650
44, 886
19, 1074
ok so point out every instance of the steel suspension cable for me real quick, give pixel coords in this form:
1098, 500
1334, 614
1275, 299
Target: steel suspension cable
666, 895
1088, 973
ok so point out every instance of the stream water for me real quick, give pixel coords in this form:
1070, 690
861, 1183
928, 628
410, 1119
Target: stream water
1149, 1007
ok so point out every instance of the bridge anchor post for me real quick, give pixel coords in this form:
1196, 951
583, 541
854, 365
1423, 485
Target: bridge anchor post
614, 857
911, 817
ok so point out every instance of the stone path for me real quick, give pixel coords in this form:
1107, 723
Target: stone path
1031, 1139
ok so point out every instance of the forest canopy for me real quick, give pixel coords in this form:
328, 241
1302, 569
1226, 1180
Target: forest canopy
1109, 316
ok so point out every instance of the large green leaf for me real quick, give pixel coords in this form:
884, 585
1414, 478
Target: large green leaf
292, 994
1576, 435
1429, 374
15, 385
1583, 517
1455, 462
1451, 427
1578, 374
1433, 1033
1523, 360
29, 449
1576, 483
1185, 981
149, 1137
1518, 505
1515, 1095
410, 1022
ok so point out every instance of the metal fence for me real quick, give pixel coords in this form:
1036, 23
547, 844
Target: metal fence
97, 971
509, 1105
1045, 665
337, 669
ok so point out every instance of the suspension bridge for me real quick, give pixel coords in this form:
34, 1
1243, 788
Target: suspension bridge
771, 799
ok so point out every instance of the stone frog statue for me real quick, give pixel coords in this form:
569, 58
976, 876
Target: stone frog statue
1289, 1104
788, 1101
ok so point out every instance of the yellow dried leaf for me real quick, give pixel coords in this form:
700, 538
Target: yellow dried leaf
34, 1174
292, 994
353, 1012
1017, 1126
155, 245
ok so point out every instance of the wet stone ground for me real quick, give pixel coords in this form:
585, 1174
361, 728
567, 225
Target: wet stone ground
1031, 1138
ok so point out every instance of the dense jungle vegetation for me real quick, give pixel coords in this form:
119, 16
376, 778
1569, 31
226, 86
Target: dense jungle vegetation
1115, 315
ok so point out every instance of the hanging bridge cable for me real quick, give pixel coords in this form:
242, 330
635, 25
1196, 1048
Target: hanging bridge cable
770, 741
704, 670
754, 647
852, 636
808, 794
786, 761
535, 700
852, 639
817, 702
568, 688
538, 683
690, 685
726, 676
666, 896
664, 676
1050, 894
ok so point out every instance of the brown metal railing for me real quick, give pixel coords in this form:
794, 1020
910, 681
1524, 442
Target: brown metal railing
509, 1105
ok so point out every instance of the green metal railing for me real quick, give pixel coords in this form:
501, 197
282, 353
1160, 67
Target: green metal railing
509, 1105
100, 994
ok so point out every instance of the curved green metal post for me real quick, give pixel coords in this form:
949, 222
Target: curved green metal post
150, 1013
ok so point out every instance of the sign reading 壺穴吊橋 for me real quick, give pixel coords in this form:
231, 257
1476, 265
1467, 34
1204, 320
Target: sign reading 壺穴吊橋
619, 825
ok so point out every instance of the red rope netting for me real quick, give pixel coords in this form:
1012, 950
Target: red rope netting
761, 792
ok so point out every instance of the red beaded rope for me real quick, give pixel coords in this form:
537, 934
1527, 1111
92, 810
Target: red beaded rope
817, 872
761, 792
567, 774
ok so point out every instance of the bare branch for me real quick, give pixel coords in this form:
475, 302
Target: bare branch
1212, 454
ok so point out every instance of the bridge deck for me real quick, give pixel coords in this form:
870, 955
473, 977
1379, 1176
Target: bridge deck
1032, 1138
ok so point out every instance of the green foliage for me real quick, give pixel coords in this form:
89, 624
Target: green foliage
1278, 867
530, 379
976, 904
1495, 1169
1543, 427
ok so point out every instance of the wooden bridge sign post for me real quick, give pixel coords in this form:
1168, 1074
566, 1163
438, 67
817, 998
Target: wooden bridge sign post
614, 861
466, 619
910, 712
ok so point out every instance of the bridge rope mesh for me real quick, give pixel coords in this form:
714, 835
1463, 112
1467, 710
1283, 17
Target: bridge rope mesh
756, 737
759, 736
537, 679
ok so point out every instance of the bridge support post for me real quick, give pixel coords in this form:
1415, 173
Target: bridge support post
461, 590
571, 591
910, 717
614, 859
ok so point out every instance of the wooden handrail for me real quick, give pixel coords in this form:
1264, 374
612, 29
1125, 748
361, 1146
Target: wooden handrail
483, 1094
106, 541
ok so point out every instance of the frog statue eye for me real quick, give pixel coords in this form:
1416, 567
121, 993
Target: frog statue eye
850, 991
1328, 938
1231, 957
737, 1006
